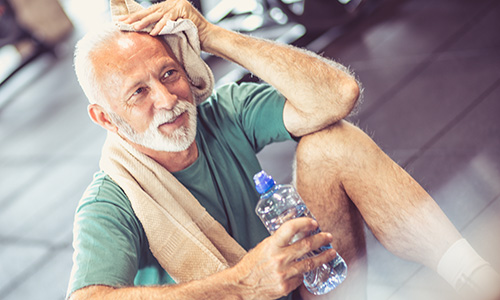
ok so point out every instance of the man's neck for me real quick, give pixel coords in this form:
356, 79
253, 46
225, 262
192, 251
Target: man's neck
172, 161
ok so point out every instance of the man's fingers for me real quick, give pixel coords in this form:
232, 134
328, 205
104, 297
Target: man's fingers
122, 18
144, 17
160, 13
149, 19
302, 226
312, 263
310, 243
159, 26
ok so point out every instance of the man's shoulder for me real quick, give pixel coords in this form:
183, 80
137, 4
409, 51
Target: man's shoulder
234, 99
234, 91
103, 189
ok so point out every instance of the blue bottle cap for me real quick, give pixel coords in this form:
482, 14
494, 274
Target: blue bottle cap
263, 182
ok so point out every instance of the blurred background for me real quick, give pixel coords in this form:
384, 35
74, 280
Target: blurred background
431, 73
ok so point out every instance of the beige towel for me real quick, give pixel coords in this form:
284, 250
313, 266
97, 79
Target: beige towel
187, 242
182, 36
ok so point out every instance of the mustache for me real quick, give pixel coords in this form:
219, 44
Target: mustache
168, 116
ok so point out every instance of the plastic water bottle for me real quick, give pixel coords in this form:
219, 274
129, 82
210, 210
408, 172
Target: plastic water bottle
280, 203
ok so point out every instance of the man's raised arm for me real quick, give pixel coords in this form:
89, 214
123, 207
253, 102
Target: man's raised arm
320, 92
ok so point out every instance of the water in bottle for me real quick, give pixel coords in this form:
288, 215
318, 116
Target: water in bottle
280, 203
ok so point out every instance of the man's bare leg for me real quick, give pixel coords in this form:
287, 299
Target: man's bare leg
342, 175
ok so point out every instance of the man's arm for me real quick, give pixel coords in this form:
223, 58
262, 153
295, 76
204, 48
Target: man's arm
319, 91
268, 271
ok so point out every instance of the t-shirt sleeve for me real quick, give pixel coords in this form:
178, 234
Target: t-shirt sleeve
106, 243
258, 110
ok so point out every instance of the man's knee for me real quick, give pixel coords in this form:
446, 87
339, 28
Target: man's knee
338, 145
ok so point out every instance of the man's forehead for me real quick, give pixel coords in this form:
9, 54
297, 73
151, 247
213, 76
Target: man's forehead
133, 41
127, 46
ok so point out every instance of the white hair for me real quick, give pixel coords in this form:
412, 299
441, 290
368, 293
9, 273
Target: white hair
84, 66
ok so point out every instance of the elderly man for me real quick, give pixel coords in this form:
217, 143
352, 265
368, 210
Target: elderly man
140, 233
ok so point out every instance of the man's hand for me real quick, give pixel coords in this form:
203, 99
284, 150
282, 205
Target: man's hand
161, 12
271, 269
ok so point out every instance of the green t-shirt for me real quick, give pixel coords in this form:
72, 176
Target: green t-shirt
235, 123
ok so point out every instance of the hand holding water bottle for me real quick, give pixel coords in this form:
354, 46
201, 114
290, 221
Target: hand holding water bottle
272, 269
278, 205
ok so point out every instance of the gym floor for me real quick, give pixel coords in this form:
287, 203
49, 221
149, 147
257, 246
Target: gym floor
431, 73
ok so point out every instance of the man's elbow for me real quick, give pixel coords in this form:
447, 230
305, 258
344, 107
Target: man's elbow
354, 92
350, 96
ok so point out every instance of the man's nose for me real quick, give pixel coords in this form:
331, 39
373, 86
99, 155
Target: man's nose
162, 97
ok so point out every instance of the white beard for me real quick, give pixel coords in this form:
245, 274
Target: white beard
153, 138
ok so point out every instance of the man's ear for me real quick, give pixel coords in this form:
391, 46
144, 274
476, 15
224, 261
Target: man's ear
101, 117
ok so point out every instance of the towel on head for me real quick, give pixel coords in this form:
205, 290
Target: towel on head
182, 37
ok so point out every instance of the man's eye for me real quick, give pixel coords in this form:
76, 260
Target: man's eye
138, 91
169, 74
